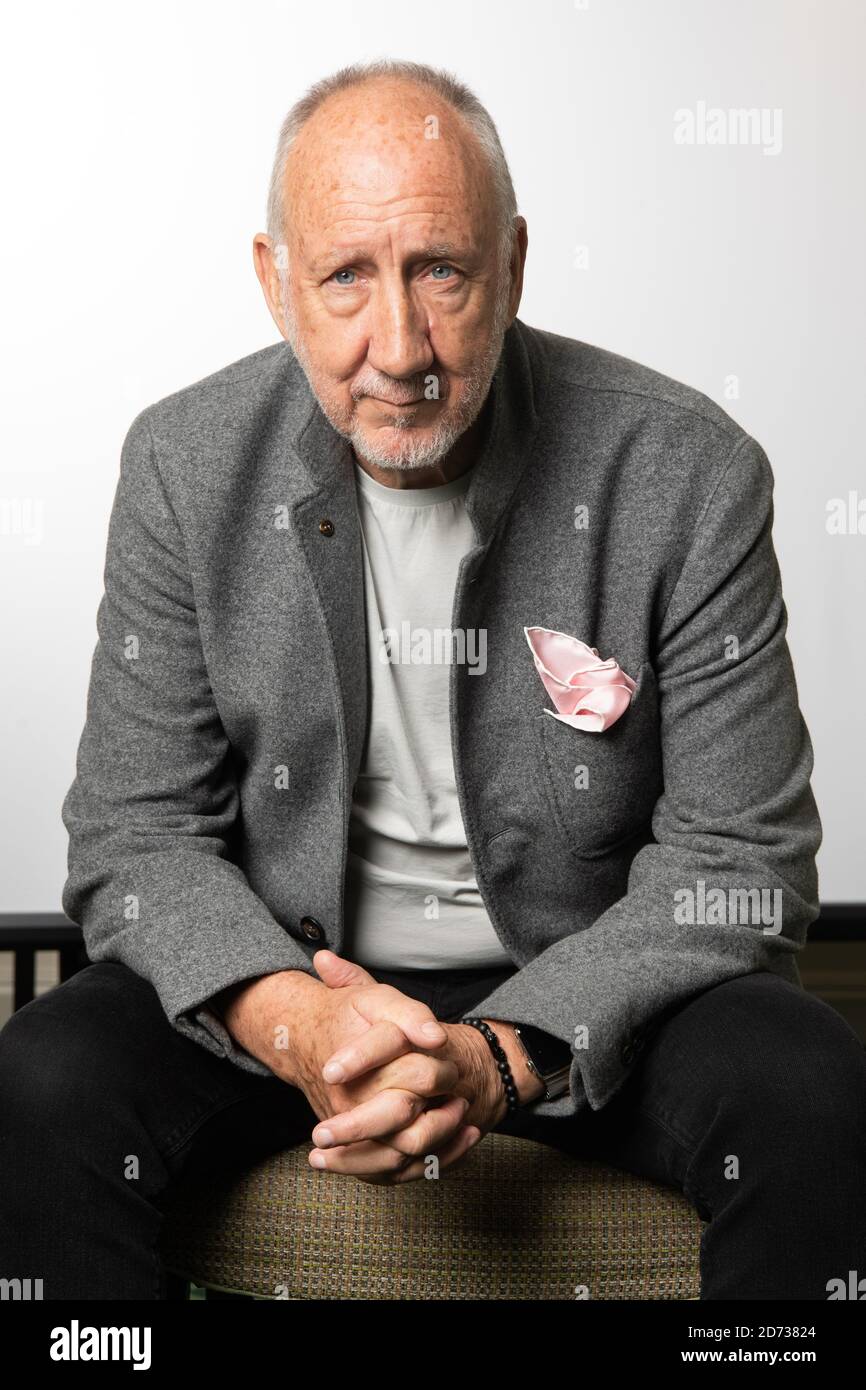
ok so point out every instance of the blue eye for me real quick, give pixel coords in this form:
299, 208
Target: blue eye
449, 272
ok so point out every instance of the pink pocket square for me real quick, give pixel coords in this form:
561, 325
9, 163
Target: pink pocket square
589, 693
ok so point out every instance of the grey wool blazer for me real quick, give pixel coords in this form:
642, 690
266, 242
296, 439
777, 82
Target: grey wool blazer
227, 705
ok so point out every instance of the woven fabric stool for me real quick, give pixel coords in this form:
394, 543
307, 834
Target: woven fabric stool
515, 1219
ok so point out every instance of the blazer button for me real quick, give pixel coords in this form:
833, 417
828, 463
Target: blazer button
627, 1052
326, 526
312, 929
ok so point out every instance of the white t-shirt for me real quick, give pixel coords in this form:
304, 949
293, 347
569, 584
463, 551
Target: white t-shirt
412, 902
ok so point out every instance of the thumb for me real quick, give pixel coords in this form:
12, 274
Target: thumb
337, 973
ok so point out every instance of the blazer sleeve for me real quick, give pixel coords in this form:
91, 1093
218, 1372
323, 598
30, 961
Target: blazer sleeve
150, 812
737, 811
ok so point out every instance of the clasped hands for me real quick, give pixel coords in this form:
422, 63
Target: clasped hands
391, 1085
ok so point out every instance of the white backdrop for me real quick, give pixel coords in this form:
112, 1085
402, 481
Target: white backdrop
137, 143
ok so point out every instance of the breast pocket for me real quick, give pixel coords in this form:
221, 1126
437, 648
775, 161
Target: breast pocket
601, 788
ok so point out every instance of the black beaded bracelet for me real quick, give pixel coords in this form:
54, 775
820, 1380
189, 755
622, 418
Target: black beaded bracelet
511, 1097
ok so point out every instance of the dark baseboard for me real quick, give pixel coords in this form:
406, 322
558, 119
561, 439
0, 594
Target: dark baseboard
838, 922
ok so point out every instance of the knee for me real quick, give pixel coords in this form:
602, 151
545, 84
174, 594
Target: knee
58, 1060
795, 1066
44, 1070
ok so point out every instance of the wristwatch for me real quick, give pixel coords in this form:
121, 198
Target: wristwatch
547, 1057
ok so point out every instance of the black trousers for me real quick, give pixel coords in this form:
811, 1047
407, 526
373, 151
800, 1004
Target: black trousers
750, 1097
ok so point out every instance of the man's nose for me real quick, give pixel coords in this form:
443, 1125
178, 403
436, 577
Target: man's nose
399, 344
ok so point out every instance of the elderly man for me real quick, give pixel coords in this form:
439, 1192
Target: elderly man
443, 768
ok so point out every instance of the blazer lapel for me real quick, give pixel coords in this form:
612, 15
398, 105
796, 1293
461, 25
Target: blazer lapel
324, 516
518, 389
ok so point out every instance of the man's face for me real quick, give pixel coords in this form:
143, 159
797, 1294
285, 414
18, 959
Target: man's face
393, 303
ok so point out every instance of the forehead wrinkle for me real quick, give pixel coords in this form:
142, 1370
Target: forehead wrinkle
406, 243
371, 184
452, 220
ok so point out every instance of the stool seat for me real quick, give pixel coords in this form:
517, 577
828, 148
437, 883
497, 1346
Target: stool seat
515, 1219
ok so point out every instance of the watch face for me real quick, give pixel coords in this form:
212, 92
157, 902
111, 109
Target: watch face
549, 1054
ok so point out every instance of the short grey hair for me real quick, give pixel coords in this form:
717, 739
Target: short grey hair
445, 86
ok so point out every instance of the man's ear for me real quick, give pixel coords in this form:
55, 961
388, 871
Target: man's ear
265, 254
521, 242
